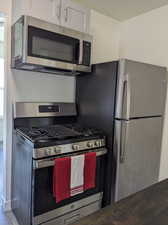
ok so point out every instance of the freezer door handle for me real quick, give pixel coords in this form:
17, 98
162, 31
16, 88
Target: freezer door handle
126, 99
123, 102
123, 97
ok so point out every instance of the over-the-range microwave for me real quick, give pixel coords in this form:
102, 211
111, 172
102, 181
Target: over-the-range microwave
45, 47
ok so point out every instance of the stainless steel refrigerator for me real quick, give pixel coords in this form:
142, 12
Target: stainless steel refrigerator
126, 99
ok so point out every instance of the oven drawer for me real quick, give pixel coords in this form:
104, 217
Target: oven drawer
75, 215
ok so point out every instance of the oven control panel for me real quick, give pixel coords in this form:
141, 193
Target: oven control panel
68, 148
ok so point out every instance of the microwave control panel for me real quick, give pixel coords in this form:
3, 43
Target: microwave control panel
86, 53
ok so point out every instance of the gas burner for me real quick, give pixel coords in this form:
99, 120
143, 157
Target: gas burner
50, 133
85, 131
37, 132
74, 136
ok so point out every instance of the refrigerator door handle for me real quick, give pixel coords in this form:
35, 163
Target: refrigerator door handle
123, 141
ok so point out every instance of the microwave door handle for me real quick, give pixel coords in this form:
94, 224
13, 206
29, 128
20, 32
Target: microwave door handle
80, 52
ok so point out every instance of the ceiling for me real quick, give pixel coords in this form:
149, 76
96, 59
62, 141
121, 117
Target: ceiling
123, 9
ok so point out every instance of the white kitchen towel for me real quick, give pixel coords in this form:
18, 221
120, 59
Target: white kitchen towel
77, 174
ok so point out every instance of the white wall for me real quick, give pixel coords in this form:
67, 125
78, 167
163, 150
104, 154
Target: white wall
1, 130
5, 7
42, 87
145, 38
105, 31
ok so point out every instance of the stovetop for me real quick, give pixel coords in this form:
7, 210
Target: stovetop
50, 135
52, 129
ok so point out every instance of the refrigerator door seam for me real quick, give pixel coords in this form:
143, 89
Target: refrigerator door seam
138, 118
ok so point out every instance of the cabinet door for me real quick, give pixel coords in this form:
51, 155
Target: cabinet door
48, 10
17, 10
75, 16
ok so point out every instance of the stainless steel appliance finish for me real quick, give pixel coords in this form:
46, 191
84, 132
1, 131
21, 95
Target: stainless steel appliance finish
55, 109
141, 90
139, 148
76, 215
129, 108
42, 163
44, 132
21, 59
141, 95
71, 212
67, 148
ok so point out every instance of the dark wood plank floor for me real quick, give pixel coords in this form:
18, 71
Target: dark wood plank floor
148, 207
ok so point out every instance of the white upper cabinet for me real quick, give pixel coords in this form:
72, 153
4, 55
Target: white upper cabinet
61, 12
75, 16
48, 10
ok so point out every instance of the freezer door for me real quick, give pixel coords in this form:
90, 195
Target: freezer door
138, 146
141, 90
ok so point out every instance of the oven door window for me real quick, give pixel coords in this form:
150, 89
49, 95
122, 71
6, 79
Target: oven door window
50, 45
43, 200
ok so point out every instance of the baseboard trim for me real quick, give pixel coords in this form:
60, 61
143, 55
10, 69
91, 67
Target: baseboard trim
6, 205
12, 218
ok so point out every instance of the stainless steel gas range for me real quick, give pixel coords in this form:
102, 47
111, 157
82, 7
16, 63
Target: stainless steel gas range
44, 132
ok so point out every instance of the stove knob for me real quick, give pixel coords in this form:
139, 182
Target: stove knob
90, 144
57, 150
97, 143
53, 151
103, 143
75, 147
48, 152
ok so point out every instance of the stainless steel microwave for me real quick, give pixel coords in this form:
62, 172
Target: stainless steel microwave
41, 46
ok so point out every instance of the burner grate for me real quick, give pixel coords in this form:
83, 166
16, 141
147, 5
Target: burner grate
57, 133
50, 132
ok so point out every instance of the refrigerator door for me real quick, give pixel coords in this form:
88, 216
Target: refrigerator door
138, 147
141, 90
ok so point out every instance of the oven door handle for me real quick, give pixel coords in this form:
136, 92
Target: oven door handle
42, 163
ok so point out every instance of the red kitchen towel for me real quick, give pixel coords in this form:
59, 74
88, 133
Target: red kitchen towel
90, 170
61, 178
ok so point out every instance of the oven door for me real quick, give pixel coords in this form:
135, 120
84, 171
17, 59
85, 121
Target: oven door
49, 49
44, 206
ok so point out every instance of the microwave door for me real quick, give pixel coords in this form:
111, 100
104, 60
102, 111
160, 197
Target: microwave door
48, 47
